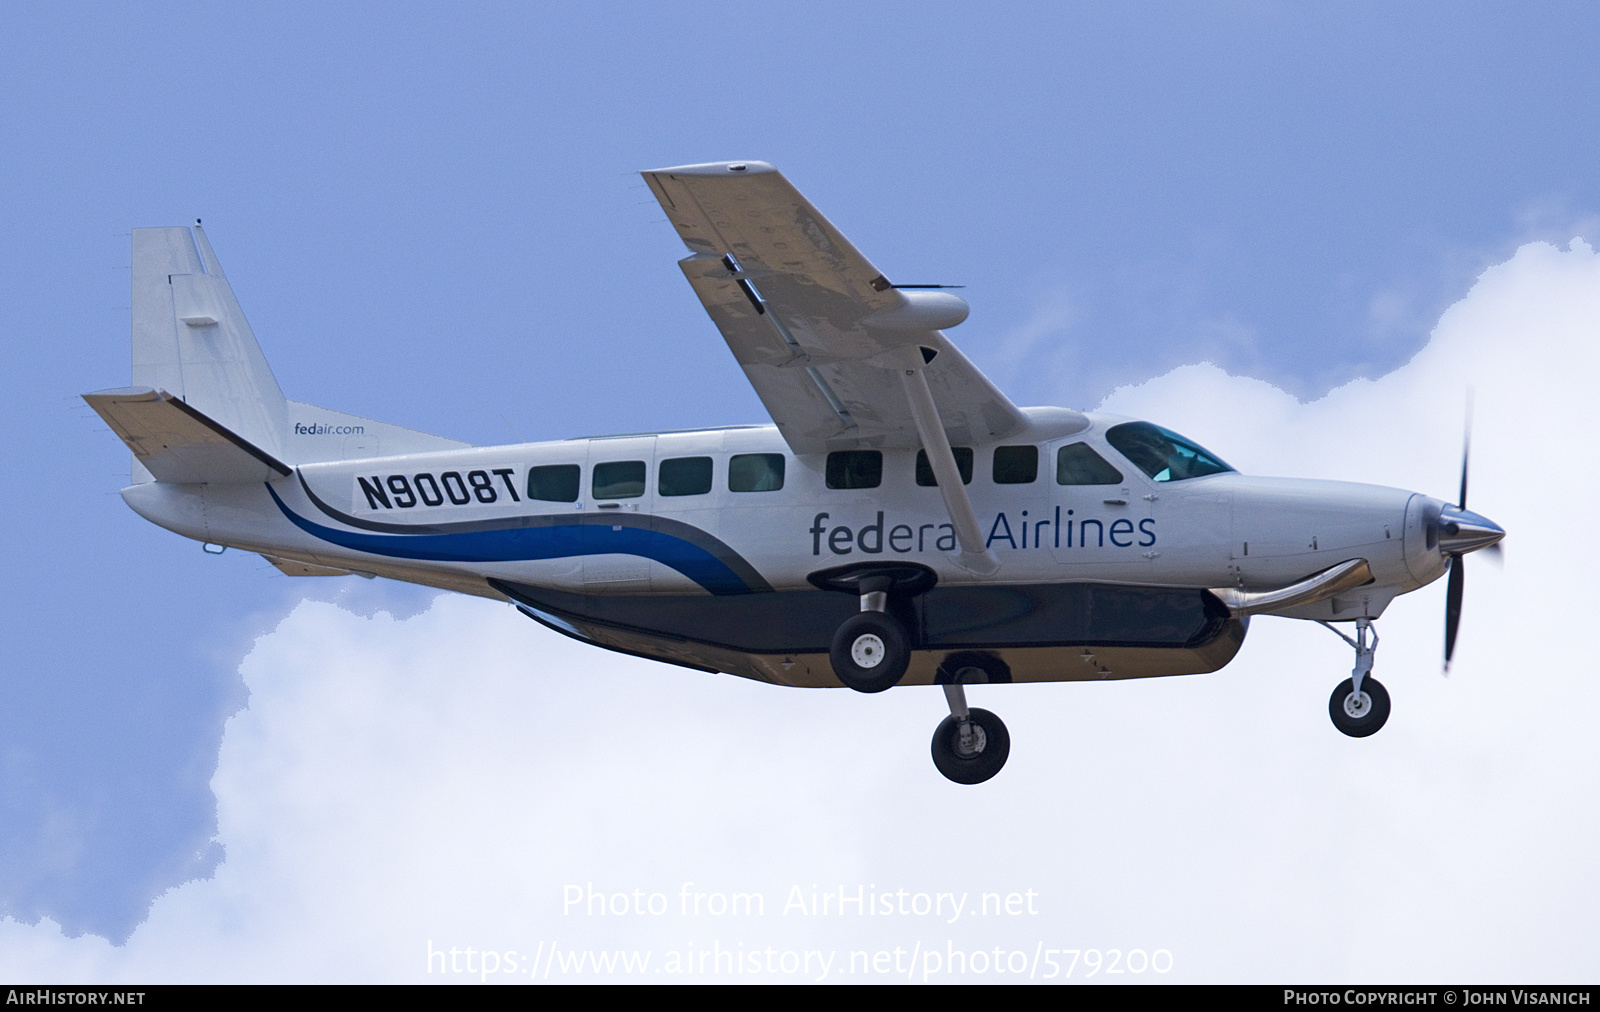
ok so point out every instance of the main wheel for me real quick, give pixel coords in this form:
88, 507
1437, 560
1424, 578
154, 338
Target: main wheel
987, 752
870, 651
1359, 714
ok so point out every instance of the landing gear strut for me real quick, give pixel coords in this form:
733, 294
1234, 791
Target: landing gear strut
872, 649
1360, 705
969, 746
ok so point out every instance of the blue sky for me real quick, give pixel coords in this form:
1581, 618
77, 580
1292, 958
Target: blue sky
432, 216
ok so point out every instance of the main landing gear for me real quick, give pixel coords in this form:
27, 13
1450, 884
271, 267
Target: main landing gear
970, 745
1360, 705
872, 649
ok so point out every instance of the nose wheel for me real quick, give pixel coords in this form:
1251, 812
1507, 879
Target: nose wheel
970, 746
1359, 713
1360, 705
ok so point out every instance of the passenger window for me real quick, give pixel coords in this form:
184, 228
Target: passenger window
685, 476
619, 479
963, 457
755, 472
855, 469
553, 483
1078, 464
1016, 465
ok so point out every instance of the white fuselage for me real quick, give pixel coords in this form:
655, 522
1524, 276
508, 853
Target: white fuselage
463, 520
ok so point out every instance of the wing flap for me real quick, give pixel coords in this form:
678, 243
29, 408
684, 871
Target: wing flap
177, 443
805, 410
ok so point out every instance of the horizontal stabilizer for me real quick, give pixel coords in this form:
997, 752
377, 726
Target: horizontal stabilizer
177, 443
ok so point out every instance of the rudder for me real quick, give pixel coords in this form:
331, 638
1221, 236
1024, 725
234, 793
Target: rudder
191, 339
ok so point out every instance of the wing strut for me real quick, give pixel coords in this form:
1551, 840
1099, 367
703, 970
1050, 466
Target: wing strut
975, 556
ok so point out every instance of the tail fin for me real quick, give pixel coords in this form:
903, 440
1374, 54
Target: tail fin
191, 339
193, 346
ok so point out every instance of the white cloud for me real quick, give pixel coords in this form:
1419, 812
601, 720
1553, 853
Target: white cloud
444, 777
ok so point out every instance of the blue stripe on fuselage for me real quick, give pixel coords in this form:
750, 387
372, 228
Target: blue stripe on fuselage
523, 544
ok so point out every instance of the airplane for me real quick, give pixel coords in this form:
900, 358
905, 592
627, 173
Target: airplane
901, 522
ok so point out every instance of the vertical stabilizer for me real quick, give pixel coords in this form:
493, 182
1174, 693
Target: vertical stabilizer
191, 339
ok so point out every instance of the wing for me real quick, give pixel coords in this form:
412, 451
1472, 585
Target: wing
817, 328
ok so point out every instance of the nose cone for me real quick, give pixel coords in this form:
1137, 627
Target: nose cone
1462, 531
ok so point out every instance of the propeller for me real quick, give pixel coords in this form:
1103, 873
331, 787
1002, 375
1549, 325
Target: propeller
1453, 590
1457, 583
1461, 532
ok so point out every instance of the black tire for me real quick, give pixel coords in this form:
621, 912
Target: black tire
971, 769
1377, 711
866, 664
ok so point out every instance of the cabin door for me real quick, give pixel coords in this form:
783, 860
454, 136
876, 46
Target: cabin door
619, 483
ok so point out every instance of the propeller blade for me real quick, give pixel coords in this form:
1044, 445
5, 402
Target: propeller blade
1452, 606
1466, 452
1496, 553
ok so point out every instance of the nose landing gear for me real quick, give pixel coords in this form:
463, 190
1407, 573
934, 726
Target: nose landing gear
1360, 705
1359, 712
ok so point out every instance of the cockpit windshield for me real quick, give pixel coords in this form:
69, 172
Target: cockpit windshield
1161, 453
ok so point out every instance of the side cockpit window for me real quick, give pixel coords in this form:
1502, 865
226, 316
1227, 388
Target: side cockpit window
1161, 453
1079, 464
1016, 465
